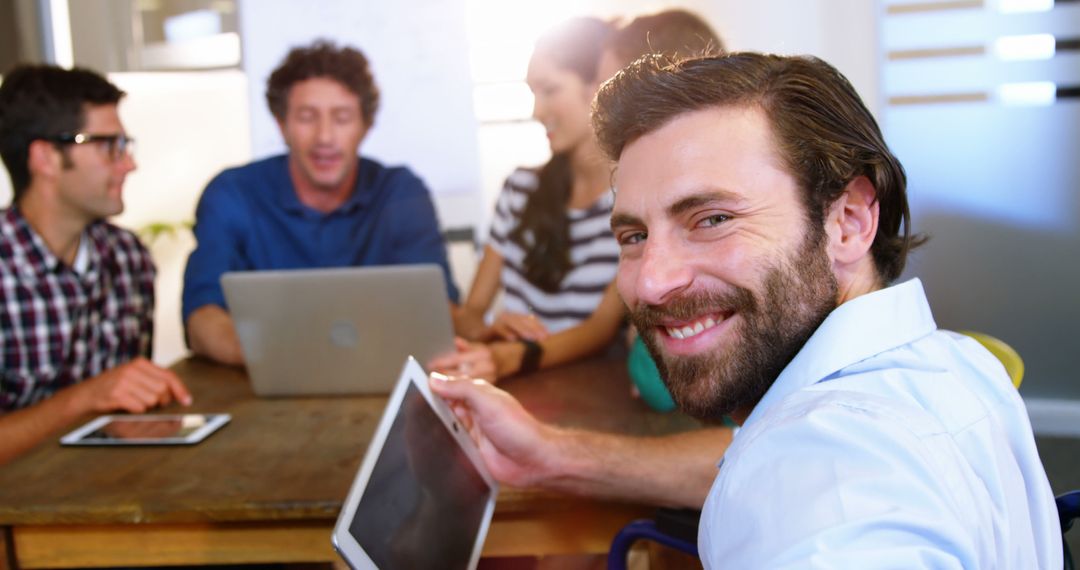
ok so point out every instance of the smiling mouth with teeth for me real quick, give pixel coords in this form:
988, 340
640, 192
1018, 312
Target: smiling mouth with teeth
692, 329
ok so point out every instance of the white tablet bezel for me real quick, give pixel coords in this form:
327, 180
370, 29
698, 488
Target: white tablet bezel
412, 374
211, 423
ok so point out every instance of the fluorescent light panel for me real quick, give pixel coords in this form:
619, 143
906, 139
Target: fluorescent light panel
1024, 48
1020, 6
1033, 93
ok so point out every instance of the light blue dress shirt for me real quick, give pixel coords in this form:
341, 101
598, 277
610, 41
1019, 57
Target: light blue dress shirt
885, 443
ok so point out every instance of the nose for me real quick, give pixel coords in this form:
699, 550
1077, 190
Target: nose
324, 130
127, 163
664, 271
537, 108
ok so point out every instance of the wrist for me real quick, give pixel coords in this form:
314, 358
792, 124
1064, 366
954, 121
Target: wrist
532, 352
507, 357
568, 462
74, 401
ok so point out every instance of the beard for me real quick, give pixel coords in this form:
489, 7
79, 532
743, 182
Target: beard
795, 296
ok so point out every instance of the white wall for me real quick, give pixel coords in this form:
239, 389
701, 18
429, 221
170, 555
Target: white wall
994, 185
188, 126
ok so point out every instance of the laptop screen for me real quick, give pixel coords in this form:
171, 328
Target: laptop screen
424, 503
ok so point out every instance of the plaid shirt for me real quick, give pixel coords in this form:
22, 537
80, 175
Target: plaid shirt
59, 327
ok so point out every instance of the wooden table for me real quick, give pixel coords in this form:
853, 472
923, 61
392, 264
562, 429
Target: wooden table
268, 487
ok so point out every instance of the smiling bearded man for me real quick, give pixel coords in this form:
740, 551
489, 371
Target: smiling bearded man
762, 221
797, 294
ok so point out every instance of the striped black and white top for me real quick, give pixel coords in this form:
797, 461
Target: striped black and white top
594, 256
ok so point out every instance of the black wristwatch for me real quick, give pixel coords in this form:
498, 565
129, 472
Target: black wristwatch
530, 361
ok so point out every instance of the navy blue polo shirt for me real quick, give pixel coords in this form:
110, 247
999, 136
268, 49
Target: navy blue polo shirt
250, 218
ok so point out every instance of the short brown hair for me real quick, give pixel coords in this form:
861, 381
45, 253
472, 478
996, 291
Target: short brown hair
673, 33
346, 65
43, 102
826, 136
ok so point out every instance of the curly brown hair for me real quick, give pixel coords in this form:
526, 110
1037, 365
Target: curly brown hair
825, 134
346, 65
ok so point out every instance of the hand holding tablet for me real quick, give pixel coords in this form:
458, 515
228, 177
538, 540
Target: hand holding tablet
423, 497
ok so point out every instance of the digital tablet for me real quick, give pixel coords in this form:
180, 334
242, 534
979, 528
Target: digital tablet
423, 497
146, 429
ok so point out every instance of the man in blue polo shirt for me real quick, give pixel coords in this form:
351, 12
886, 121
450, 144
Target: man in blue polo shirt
320, 205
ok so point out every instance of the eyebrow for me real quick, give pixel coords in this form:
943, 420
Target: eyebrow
697, 200
620, 219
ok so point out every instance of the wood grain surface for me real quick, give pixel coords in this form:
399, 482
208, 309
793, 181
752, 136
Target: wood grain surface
284, 466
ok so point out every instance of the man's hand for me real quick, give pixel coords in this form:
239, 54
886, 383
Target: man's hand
516, 326
518, 449
133, 387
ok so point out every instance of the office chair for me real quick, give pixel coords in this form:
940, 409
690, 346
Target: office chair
673, 528
1068, 506
678, 529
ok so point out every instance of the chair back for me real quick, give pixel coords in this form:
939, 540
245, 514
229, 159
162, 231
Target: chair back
1008, 356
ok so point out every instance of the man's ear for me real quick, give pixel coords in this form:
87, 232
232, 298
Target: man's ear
852, 222
43, 159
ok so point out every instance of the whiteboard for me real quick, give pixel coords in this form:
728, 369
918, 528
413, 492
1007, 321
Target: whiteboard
419, 56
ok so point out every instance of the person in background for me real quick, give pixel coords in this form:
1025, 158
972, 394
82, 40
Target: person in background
762, 222
676, 34
550, 250
553, 259
76, 292
319, 205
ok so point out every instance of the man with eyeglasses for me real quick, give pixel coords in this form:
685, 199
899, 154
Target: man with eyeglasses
76, 292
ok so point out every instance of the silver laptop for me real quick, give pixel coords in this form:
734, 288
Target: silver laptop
337, 331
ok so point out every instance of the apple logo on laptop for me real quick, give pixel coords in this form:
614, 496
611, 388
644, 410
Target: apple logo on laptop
343, 334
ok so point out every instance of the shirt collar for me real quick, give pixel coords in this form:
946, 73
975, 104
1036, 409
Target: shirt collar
286, 191
36, 259
29, 247
856, 330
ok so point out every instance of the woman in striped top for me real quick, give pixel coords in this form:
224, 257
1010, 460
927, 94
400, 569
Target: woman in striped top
551, 249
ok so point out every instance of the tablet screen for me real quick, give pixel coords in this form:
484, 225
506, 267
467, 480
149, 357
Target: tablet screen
425, 501
165, 428
146, 429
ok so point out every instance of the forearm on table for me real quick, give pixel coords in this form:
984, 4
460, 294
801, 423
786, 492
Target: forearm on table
591, 336
575, 343
486, 282
469, 322
567, 346
211, 334
23, 429
675, 470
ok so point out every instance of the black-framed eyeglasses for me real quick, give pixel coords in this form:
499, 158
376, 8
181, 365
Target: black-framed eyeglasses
118, 146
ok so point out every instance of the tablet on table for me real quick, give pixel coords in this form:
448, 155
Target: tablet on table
146, 429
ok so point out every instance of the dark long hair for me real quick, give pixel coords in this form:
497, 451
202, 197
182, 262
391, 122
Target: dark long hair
544, 230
